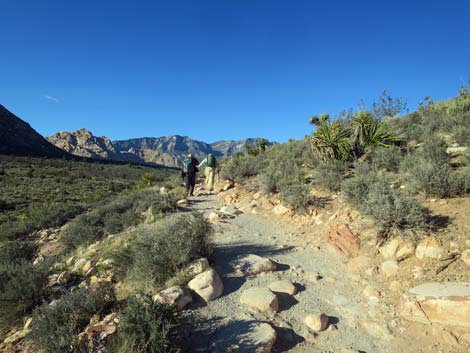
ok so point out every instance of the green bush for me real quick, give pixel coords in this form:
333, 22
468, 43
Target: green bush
14, 251
157, 253
240, 167
372, 194
145, 326
113, 217
430, 171
56, 326
22, 287
330, 175
386, 158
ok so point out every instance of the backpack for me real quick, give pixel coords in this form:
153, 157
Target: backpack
211, 160
188, 165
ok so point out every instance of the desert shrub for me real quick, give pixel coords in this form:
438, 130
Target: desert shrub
371, 193
145, 326
22, 287
124, 211
386, 158
157, 253
430, 171
14, 251
56, 326
330, 175
240, 167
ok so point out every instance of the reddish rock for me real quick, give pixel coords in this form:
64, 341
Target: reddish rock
343, 240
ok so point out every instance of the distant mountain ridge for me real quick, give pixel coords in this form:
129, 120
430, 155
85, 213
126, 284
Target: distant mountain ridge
167, 150
18, 138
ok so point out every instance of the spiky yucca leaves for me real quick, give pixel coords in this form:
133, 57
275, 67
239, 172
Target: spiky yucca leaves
331, 140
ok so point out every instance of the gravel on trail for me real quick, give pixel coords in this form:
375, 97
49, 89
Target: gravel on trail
225, 325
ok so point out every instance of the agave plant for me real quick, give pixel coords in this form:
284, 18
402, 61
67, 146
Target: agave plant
331, 140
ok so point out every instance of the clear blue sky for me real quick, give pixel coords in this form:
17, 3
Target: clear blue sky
222, 69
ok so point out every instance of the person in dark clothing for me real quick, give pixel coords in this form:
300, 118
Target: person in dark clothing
188, 173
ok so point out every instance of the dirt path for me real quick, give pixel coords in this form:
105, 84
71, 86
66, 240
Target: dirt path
221, 324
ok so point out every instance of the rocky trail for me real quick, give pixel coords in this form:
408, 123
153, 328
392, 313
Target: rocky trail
307, 303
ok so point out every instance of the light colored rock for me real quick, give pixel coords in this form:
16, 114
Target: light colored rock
228, 185
230, 211
77, 268
207, 285
176, 295
280, 210
87, 266
261, 299
28, 323
283, 286
371, 293
64, 277
316, 322
406, 250
312, 276
443, 303
465, 256
347, 350
372, 271
163, 190
358, 263
428, 248
71, 260
389, 268
390, 249
257, 195
213, 217
244, 336
376, 329
182, 203
395, 286
254, 264
198, 266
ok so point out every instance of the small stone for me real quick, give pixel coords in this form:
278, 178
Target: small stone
64, 278
230, 211
87, 266
254, 264
283, 286
213, 217
198, 266
330, 280
406, 250
256, 196
372, 271
207, 285
389, 268
465, 256
28, 323
395, 286
280, 210
358, 263
316, 322
312, 276
182, 203
261, 299
71, 260
428, 248
371, 293
390, 249
176, 295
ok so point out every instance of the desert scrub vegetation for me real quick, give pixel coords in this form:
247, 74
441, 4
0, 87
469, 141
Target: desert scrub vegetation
373, 194
146, 326
125, 210
39, 192
156, 253
56, 326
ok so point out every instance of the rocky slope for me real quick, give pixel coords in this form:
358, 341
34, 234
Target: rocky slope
18, 138
167, 150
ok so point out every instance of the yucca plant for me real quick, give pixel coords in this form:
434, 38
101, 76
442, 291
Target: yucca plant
369, 131
331, 140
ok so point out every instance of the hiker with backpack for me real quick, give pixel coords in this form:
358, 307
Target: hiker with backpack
211, 166
188, 173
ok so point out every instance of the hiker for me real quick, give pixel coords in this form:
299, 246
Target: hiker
188, 173
209, 172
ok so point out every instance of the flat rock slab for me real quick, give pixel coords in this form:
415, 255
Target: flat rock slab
443, 303
261, 299
207, 285
254, 264
283, 286
176, 295
244, 336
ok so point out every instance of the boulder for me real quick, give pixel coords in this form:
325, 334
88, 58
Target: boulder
213, 217
443, 303
79, 263
254, 264
465, 256
283, 286
176, 295
244, 336
389, 268
207, 285
390, 249
343, 240
261, 299
198, 266
280, 210
428, 248
316, 322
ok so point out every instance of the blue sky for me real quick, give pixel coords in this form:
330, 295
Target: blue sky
222, 69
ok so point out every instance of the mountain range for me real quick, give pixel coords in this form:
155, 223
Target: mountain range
17, 137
